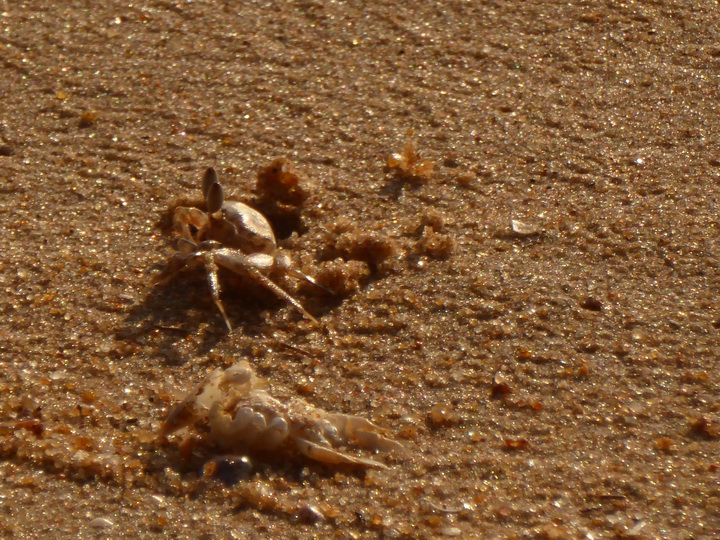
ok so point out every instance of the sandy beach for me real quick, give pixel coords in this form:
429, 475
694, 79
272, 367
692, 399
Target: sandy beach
515, 205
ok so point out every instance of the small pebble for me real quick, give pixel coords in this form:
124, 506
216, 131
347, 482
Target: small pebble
442, 415
309, 514
500, 386
229, 469
515, 444
87, 119
591, 303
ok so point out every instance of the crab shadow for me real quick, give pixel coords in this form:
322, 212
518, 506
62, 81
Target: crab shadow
396, 185
174, 310
232, 470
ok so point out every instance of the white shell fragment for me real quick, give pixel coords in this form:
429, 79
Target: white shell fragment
101, 523
523, 229
241, 416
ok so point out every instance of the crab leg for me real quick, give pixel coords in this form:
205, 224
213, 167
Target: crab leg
241, 264
283, 262
215, 287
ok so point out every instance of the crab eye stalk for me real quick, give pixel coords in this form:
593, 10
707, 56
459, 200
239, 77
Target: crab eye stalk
215, 198
209, 179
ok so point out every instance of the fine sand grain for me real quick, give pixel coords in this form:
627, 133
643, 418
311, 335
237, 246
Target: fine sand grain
527, 294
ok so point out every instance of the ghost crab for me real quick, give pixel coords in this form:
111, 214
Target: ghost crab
232, 235
242, 416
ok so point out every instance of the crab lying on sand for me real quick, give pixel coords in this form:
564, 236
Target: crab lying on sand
231, 235
242, 416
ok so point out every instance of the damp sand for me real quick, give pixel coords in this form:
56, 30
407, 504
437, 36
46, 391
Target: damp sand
529, 305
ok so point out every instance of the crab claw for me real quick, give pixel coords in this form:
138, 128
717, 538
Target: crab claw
277, 431
364, 433
329, 456
211, 390
186, 216
183, 414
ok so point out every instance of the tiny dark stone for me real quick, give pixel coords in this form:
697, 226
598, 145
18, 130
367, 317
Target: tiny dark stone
6, 150
500, 389
451, 162
87, 119
593, 304
706, 428
231, 469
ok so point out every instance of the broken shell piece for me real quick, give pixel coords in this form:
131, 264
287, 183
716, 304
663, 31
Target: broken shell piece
101, 523
524, 229
240, 416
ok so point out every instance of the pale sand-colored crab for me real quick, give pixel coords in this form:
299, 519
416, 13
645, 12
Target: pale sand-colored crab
242, 416
231, 235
